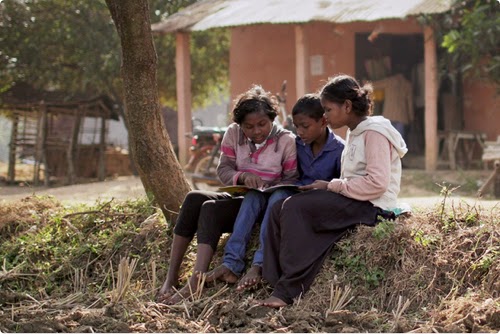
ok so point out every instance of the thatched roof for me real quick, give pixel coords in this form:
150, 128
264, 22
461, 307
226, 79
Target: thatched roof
23, 96
207, 14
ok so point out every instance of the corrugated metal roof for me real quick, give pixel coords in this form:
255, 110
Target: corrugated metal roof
208, 14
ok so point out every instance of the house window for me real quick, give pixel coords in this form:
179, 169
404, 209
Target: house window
317, 65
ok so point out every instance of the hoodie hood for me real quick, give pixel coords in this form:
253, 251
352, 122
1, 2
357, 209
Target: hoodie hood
383, 126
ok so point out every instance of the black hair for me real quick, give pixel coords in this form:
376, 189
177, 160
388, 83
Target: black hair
344, 87
254, 100
309, 105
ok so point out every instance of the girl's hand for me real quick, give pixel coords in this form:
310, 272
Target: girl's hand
252, 180
318, 184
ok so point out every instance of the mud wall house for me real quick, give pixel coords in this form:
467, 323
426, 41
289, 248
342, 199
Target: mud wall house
63, 139
305, 42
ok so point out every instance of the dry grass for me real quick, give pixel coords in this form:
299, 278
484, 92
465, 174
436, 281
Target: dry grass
126, 269
435, 271
426, 264
22, 215
339, 298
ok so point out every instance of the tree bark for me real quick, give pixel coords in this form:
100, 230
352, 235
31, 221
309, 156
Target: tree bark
158, 167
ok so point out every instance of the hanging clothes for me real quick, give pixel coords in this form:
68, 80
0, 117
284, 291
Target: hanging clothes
398, 98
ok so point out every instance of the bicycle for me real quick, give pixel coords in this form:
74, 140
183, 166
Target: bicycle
202, 143
204, 176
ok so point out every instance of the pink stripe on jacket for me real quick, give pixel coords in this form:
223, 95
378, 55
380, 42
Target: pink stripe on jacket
275, 162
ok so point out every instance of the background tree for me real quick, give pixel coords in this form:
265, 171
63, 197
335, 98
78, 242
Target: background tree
209, 58
159, 170
470, 37
59, 45
73, 46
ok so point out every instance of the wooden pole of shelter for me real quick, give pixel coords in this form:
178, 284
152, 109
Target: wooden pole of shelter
101, 171
183, 75
73, 142
301, 77
11, 171
45, 128
431, 92
40, 146
38, 139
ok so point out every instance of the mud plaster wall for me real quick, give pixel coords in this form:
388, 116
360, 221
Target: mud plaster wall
265, 54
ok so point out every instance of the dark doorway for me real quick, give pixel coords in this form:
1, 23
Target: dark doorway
388, 55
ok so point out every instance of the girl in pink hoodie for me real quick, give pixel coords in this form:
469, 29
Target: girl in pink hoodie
303, 228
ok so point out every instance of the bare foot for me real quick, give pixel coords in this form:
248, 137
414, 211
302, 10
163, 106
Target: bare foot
165, 292
273, 302
193, 289
221, 273
162, 297
251, 278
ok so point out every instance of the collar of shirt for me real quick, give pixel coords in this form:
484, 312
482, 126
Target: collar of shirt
332, 142
258, 146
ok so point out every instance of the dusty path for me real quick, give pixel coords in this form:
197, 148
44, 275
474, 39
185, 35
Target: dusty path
130, 187
121, 188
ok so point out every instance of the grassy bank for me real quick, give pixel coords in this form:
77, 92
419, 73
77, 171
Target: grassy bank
97, 268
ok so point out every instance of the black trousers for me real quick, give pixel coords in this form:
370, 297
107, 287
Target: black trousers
207, 214
302, 230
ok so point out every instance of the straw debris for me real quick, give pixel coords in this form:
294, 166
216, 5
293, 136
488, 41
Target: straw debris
97, 269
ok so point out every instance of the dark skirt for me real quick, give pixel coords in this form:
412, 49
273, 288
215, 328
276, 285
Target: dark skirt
302, 230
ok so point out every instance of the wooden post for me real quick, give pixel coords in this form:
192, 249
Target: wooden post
11, 172
46, 169
38, 147
301, 69
431, 90
44, 122
73, 142
41, 147
101, 172
183, 72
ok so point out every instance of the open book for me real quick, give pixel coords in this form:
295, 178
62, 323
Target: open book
242, 190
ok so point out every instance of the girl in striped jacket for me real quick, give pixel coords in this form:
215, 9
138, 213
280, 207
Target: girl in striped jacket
255, 152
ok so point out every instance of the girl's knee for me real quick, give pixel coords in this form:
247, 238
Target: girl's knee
279, 194
208, 208
291, 205
254, 195
195, 196
276, 207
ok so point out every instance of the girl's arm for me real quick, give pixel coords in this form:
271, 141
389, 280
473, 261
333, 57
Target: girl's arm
290, 173
227, 170
378, 171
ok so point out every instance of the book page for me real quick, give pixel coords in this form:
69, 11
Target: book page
241, 189
235, 190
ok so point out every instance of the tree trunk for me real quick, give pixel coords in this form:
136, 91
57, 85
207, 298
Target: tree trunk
158, 167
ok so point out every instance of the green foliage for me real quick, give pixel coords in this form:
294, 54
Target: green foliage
355, 266
470, 34
209, 66
423, 239
66, 240
59, 45
209, 58
73, 46
487, 260
383, 229
453, 219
